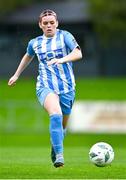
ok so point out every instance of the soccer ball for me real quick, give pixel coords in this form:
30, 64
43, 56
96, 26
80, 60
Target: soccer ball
101, 154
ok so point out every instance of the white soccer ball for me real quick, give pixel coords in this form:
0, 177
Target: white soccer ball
101, 154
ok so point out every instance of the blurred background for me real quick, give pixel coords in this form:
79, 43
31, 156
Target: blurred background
99, 111
100, 29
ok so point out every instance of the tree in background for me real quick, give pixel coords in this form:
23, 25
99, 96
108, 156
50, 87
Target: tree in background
109, 22
10, 5
109, 18
7, 6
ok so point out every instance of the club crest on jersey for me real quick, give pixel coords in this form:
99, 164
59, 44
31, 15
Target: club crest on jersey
50, 55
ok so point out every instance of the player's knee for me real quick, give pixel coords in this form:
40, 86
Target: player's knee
55, 110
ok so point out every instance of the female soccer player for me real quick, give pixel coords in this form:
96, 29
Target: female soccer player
55, 88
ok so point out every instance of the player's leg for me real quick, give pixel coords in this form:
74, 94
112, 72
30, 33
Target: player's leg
66, 103
65, 120
52, 106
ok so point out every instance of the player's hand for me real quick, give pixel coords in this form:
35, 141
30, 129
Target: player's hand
12, 80
55, 61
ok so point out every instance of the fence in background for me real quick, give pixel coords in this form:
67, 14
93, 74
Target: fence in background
25, 116
22, 116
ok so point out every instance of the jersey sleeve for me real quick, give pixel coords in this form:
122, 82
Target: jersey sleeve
70, 41
30, 50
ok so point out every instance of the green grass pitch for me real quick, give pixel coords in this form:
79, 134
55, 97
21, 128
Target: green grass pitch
26, 155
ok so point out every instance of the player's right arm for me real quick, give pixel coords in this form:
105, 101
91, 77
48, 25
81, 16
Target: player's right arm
23, 64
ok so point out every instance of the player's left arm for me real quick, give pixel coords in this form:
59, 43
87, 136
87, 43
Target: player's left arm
75, 53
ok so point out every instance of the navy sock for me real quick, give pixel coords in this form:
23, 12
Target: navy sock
56, 132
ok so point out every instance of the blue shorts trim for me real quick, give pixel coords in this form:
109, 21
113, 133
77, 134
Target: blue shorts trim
66, 100
42, 93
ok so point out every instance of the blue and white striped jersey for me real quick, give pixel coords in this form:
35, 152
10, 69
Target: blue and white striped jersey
59, 78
